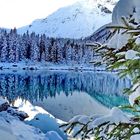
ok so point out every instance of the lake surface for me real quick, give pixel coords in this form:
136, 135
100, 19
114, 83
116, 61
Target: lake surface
65, 94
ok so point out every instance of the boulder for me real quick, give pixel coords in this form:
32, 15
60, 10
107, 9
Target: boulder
3, 104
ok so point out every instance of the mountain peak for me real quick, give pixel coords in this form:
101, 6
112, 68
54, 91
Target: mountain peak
75, 21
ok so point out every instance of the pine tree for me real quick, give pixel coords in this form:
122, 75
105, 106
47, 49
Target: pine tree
34, 47
12, 45
4, 48
125, 59
69, 48
42, 48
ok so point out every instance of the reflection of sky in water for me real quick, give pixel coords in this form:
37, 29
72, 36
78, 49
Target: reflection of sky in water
104, 88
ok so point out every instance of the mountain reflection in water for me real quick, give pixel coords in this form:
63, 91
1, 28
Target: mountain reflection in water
52, 87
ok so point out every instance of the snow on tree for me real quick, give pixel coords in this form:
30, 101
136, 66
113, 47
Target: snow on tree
127, 9
34, 47
22, 48
31, 47
120, 15
42, 48
4, 48
12, 42
122, 54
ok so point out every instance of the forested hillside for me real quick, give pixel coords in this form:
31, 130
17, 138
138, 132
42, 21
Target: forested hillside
38, 48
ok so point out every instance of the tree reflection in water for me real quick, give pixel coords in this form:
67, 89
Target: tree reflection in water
107, 88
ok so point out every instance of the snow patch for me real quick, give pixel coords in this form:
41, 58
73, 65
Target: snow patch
134, 95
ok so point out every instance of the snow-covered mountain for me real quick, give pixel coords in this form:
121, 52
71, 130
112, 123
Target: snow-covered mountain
101, 35
75, 21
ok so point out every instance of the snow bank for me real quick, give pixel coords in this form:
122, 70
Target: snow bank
47, 66
40, 118
115, 117
53, 136
135, 137
2, 101
11, 128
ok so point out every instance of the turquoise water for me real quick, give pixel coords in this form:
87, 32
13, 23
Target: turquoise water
48, 87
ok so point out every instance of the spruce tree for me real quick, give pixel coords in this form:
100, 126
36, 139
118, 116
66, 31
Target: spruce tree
126, 60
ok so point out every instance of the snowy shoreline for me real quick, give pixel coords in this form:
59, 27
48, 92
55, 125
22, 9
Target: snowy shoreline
48, 67
13, 126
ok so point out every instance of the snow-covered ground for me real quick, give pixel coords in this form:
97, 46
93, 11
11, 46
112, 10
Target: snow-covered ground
104, 122
47, 66
40, 118
11, 128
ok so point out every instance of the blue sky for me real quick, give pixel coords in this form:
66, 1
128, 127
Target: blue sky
17, 13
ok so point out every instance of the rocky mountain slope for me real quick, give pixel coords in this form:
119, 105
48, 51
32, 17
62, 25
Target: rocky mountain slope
75, 21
